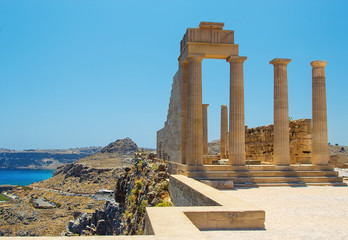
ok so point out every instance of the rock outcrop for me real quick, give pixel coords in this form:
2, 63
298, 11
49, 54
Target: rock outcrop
95, 172
144, 184
75, 189
122, 147
338, 156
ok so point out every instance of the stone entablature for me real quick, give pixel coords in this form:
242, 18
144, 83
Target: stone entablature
209, 40
207, 32
259, 142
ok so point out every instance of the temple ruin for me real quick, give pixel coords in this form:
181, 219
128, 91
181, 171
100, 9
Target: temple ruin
183, 139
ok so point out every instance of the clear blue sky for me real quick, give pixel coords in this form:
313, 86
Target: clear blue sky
85, 73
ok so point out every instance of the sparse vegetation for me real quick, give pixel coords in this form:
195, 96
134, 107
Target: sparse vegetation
165, 186
4, 198
25, 188
86, 176
164, 203
155, 167
143, 206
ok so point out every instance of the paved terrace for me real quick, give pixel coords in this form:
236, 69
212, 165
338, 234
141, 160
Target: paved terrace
294, 213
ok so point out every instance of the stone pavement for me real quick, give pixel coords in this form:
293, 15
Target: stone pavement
294, 213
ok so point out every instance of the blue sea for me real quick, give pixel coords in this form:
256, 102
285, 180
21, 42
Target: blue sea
23, 177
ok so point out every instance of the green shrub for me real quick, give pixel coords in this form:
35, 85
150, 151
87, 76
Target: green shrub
133, 196
155, 168
138, 184
140, 164
164, 203
129, 215
165, 186
143, 205
133, 206
134, 191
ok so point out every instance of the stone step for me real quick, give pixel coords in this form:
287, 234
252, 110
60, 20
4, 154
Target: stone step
255, 185
211, 174
299, 184
304, 167
257, 180
328, 184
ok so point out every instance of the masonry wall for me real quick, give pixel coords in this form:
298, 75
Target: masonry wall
182, 194
259, 142
169, 137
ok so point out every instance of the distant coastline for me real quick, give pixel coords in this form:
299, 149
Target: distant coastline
50, 168
43, 159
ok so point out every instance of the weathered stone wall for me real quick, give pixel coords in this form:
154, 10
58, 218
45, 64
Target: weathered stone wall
169, 137
183, 194
259, 142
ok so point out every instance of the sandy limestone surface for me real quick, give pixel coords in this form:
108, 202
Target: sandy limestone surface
318, 212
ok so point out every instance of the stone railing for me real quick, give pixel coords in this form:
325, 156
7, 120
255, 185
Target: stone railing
200, 207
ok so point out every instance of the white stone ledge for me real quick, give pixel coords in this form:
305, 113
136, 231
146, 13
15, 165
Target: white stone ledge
200, 207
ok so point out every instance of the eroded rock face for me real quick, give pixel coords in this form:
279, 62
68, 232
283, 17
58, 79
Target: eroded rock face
145, 184
101, 222
122, 147
84, 173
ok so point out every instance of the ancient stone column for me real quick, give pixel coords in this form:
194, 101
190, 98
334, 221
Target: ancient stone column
281, 149
224, 129
205, 128
237, 128
194, 149
184, 109
227, 145
320, 152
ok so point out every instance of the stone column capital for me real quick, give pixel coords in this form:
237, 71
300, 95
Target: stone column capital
280, 61
196, 57
235, 59
318, 63
224, 106
205, 105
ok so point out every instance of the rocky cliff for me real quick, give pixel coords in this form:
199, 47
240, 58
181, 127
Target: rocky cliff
121, 147
99, 171
144, 184
74, 188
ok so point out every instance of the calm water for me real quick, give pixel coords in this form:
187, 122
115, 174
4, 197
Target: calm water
23, 177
